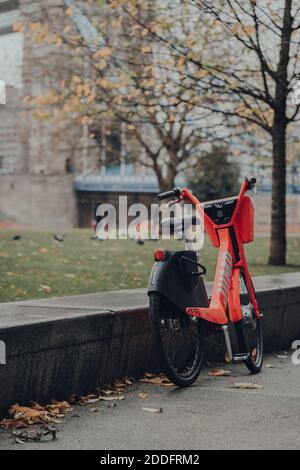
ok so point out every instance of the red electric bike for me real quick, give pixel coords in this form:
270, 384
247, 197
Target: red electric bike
181, 314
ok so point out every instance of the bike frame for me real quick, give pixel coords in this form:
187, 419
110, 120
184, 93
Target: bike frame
231, 262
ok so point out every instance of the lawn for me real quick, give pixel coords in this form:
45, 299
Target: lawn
38, 266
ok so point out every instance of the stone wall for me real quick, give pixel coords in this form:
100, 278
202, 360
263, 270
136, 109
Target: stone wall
39, 201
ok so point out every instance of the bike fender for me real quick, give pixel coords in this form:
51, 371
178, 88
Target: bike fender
178, 287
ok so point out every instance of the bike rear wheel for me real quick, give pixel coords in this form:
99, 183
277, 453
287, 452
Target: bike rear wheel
179, 341
249, 331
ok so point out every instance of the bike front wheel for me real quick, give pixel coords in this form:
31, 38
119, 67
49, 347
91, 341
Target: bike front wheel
179, 341
249, 331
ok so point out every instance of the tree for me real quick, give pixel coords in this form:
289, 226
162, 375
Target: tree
126, 75
249, 71
264, 85
215, 176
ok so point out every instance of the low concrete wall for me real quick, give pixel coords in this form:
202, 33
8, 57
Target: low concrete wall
58, 347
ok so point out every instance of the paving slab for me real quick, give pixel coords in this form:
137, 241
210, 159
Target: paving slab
209, 415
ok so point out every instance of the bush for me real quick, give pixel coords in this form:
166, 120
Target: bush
215, 176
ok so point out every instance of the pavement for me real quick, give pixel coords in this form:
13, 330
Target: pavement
210, 415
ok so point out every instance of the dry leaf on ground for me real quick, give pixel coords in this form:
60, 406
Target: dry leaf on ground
227, 359
220, 373
113, 398
119, 384
254, 354
89, 399
270, 366
157, 379
248, 386
25, 416
45, 289
143, 396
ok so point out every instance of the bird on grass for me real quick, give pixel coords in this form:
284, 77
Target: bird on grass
59, 238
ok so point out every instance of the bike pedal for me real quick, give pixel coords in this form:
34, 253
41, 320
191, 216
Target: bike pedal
240, 358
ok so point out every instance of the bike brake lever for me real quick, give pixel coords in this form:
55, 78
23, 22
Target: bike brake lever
172, 203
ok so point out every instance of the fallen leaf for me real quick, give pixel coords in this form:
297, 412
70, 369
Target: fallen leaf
270, 366
143, 396
62, 406
119, 384
113, 398
13, 424
23, 416
44, 250
46, 289
157, 379
248, 386
128, 381
227, 359
19, 441
36, 406
89, 400
254, 354
220, 373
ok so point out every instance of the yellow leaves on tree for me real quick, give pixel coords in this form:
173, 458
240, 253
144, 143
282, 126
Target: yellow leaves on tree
67, 29
103, 53
101, 65
239, 29
18, 27
69, 12
146, 49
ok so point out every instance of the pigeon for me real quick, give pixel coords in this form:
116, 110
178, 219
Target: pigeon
140, 242
16, 238
59, 238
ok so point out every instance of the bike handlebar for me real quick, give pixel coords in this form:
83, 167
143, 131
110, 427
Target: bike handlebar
176, 192
251, 180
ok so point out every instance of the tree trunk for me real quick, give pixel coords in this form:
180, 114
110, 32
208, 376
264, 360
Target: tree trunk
278, 213
166, 183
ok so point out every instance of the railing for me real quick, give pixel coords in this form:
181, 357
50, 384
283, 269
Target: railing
130, 183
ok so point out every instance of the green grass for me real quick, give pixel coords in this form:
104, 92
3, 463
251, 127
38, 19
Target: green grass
37, 266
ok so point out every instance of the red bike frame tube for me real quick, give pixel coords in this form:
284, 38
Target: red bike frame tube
226, 288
